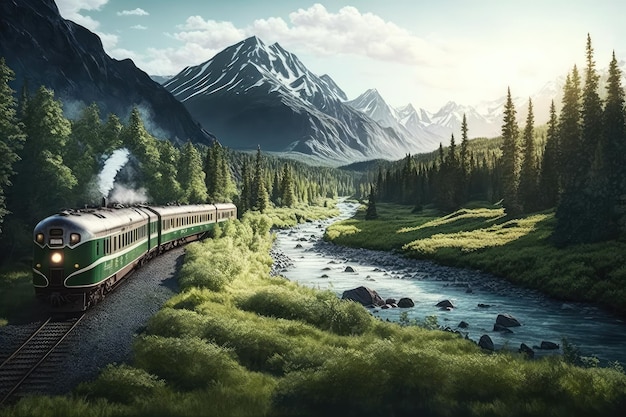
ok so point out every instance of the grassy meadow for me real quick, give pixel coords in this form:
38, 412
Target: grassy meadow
238, 342
480, 236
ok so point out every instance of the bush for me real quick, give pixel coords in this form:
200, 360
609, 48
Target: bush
187, 362
123, 384
321, 309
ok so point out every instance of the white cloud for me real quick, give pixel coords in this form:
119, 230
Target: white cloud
70, 10
136, 12
139, 27
347, 32
314, 30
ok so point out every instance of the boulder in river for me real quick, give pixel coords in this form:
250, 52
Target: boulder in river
507, 320
391, 301
525, 349
486, 343
406, 302
349, 269
463, 325
363, 295
500, 328
444, 304
548, 345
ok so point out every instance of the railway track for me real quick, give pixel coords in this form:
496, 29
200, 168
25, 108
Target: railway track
30, 368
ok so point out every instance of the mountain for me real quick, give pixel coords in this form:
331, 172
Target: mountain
405, 121
42, 48
254, 94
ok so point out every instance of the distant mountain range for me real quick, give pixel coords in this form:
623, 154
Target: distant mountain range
256, 94
42, 48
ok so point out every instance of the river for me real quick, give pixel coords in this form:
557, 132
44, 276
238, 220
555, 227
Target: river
322, 265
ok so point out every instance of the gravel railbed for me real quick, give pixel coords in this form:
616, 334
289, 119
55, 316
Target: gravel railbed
106, 333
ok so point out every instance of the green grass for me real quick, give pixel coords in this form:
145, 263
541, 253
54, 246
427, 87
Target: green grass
256, 345
481, 237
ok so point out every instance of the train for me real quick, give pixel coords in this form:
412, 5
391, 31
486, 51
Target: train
82, 254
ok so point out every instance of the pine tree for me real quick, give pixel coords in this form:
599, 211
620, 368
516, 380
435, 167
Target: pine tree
276, 199
211, 170
572, 211
464, 159
143, 146
570, 135
287, 194
510, 158
246, 194
259, 196
191, 176
110, 134
11, 135
226, 188
371, 213
169, 190
528, 191
591, 111
608, 179
549, 181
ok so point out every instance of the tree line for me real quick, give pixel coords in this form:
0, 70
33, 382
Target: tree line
50, 162
577, 167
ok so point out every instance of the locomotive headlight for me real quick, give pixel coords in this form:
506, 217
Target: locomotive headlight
39, 238
74, 238
56, 258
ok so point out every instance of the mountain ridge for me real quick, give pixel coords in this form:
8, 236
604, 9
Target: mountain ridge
42, 48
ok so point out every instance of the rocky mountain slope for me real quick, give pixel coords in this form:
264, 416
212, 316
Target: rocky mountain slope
42, 48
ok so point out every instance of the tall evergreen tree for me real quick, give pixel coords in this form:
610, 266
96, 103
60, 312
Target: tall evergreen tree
572, 212
226, 188
528, 191
549, 181
259, 196
572, 164
11, 135
143, 146
212, 171
510, 158
371, 213
191, 176
608, 180
169, 189
464, 158
110, 135
246, 185
591, 111
287, 193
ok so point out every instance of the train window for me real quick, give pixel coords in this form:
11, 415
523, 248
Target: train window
114, 243
56, 232
97, 248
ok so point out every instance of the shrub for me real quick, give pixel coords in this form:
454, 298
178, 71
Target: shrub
187, 362
123, 384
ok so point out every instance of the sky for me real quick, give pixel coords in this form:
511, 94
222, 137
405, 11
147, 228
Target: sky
421, 52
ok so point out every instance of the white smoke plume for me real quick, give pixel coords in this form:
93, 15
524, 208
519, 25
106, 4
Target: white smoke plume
113, 164
124, 195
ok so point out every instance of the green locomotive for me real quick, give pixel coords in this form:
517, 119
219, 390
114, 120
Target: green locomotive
80, 255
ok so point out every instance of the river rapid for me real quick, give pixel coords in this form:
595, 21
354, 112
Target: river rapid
322, 265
